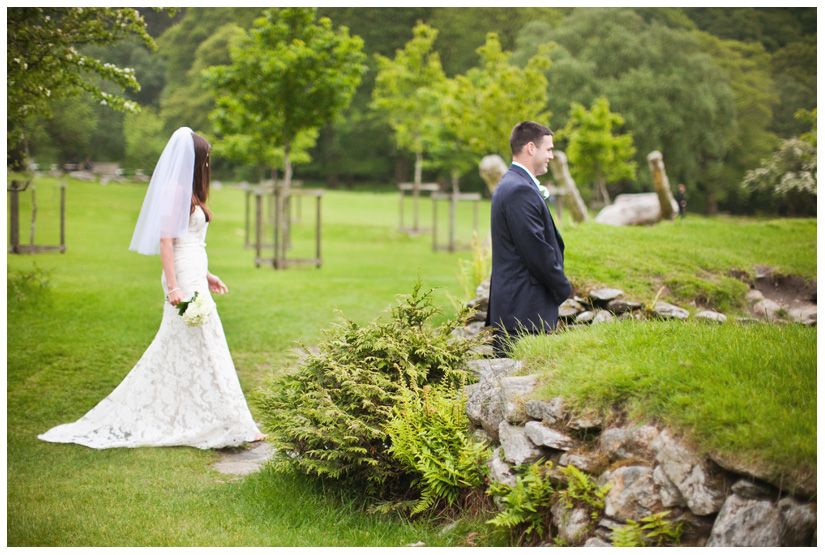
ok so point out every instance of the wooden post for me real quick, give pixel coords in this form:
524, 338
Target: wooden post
246, 219
661, 184
63, 215
258, 226
34, 218
14, 217
318, 231
435, 223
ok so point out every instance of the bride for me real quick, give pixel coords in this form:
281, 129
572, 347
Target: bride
184, 389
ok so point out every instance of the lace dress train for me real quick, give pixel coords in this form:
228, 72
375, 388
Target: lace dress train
184, 389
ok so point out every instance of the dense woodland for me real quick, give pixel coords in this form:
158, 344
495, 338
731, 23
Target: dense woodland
716, 90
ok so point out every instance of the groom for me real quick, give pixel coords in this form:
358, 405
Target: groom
528, 282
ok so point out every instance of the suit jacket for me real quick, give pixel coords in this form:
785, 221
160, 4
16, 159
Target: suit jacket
528, 282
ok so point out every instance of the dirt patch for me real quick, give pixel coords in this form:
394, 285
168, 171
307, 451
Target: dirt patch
792, 292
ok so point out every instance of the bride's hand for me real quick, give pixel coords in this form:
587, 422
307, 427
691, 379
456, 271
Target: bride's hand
175, 297
216, 285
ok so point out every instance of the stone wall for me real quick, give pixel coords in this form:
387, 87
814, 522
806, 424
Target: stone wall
650, 470
721, 501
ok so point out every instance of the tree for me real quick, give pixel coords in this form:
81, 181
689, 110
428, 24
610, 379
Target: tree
789, 177
673, 96
487, 101
595, 153
289, 74
406, 95
43, 61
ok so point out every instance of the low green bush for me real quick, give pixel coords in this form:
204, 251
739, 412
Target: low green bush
526, 507
329, 416
429, 436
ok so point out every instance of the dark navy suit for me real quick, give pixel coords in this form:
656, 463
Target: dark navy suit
528, 282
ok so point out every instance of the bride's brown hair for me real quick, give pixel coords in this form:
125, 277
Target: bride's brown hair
201, 177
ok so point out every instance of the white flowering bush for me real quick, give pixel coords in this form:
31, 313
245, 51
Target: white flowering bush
788, 177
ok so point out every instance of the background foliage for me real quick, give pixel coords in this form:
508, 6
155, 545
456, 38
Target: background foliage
714, 89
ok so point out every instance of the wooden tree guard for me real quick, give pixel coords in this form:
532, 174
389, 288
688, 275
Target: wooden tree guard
454, 198
279, 198
268, 187
14, 221
416, 194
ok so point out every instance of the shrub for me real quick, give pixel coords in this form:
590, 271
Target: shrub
329, 415
653, 530
527, 504
429, 434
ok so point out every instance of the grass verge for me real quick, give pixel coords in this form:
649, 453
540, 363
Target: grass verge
745, 391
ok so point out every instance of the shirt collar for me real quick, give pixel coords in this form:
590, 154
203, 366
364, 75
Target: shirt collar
536, 181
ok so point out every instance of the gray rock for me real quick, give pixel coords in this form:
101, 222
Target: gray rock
670, 494
540, 434
633, 209
630, 316
569, 309
754, 296
597, 542
471, 330
711, 316
620, 306
747, 523
584, 461
800, 522
669, 311
766, 309
514, 389
602, 317
500, 471
633, 493
490, 368
805, 315
751, 490
483, 290
586, 317
551, 411
572, 524
518, 449
624, 443
244, 461
604, 295
484, 407
585, 422
605, 528
763, 272
703, 493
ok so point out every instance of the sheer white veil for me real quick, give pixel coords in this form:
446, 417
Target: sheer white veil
165, 211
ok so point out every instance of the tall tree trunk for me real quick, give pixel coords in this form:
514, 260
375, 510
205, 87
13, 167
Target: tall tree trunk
603, 188
419, 163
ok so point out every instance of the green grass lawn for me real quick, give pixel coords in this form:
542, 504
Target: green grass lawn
71, 344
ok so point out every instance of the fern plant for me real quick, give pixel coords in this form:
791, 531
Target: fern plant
428, 434
582, 489
527, 504
653, 530
472, 272
328, 416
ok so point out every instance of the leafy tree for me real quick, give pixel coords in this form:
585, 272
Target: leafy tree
462, 30
145, 139
747, 71
596, 154
289, 74
673, 96
789, 176
43, 60
487, 101
406, 94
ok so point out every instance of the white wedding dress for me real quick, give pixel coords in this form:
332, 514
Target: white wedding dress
184, 389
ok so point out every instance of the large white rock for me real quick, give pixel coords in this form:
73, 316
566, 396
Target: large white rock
636, 209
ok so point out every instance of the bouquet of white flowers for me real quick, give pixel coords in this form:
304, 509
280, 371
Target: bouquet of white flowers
196, 311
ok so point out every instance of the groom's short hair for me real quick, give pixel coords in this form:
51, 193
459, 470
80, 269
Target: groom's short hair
527, 132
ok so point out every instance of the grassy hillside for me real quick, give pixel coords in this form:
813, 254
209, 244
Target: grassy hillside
77, 323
